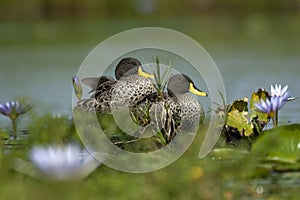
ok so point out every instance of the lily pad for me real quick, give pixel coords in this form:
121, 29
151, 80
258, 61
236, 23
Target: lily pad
239, 120
238, 125
279, 147
237, 117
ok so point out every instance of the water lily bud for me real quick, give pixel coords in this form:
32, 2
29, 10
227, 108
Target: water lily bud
77, 87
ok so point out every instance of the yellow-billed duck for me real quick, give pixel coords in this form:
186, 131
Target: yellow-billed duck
132, 85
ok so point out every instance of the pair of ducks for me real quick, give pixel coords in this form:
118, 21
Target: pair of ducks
133, 88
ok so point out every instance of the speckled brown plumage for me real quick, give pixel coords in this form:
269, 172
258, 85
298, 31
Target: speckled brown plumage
111, 94
191, 111
130, 90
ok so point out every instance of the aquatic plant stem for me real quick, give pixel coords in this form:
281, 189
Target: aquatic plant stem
14, 125
1, 149
257, 127
275, 119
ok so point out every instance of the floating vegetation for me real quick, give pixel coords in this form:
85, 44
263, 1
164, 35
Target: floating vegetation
279, 149
242, 124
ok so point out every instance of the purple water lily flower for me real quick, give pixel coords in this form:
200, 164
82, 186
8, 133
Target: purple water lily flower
279, 97
13, 109
264, 106
77, 87
270, 105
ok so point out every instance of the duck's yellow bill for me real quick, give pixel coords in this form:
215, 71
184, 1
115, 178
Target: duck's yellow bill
144, 74
196, 91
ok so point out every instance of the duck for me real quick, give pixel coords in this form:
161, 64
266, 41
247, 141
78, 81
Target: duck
176, 110
180, 88
132, 84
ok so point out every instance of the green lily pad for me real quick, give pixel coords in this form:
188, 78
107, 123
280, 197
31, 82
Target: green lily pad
279, 166
239, 120
256, 98
237, 117
279, 147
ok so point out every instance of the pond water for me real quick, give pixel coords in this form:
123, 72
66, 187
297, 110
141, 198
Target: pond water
38, 59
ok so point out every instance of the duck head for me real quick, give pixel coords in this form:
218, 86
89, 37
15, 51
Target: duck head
181, 84
130, 66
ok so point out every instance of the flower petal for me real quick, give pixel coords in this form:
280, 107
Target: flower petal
284, 90
63, 162
272, 90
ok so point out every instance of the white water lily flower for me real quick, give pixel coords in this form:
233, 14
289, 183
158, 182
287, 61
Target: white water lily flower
63, 162
277, 91
283, 93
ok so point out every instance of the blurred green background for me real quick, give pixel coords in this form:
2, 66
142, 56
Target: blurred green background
254, 43
45, 9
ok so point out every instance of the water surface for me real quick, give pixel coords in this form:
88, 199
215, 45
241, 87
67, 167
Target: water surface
38, 59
